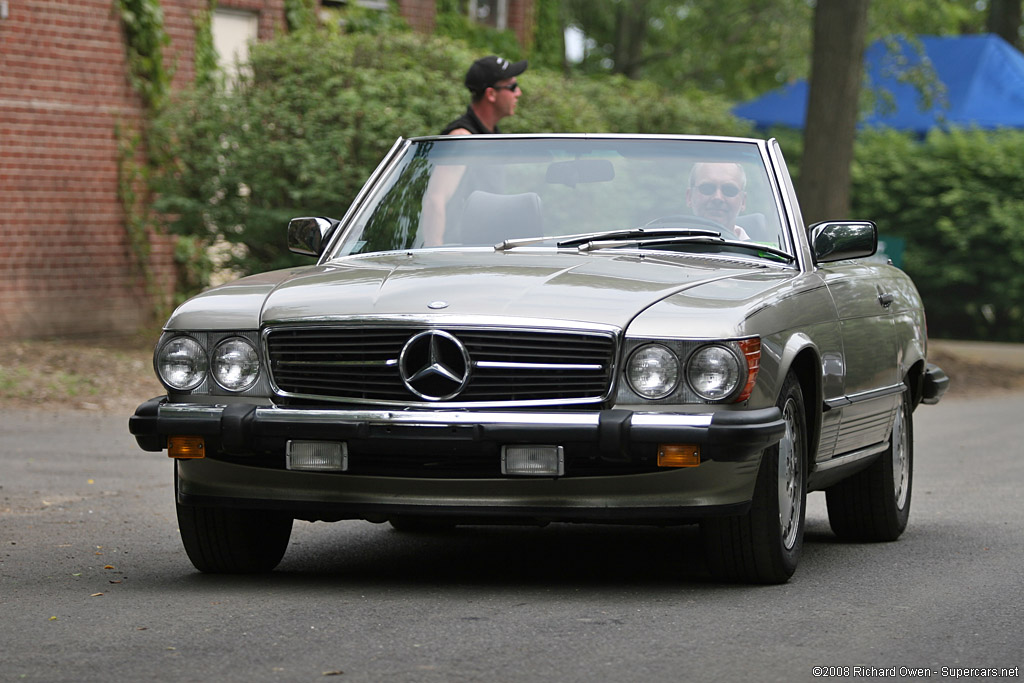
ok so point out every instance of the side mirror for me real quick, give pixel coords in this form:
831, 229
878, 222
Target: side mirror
841, 240
309, 236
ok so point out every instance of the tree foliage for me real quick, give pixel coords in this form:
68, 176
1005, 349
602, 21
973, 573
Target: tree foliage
548, 48
452, 21
734, 47
739, 48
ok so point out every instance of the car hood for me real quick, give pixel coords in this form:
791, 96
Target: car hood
587, 288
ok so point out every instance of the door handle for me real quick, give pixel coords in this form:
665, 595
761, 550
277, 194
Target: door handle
885, 299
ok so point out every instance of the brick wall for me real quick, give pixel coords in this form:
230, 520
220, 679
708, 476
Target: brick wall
419, 13
520, 19
66, 267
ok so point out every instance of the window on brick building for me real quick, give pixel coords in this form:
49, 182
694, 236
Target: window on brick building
493, 13
381, 5
233, 32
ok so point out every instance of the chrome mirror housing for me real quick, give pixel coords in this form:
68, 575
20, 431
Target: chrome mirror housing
841, 240
309, 235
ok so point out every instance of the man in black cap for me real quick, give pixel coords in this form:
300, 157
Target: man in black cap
492, 81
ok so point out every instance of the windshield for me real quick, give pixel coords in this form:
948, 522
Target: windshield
467, 191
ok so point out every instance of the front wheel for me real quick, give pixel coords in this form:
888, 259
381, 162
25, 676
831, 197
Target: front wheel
230, 541
874, 504
763, 545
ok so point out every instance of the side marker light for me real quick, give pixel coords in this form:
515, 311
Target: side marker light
678, 455
186, 447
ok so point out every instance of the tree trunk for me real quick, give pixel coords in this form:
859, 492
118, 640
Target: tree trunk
632, 17
837, 69
1004, 20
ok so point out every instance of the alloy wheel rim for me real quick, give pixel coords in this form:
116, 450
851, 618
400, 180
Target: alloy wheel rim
790, 502
900, 459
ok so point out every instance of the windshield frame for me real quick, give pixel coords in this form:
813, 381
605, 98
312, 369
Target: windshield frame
398, 158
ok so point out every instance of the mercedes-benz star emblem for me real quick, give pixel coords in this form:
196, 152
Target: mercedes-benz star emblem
434, 365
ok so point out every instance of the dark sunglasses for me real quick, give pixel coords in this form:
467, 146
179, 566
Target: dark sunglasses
511, 87
728, 189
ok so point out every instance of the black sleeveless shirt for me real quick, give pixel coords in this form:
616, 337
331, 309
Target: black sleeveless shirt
470, 122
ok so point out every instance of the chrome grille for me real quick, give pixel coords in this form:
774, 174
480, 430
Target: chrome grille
360, 364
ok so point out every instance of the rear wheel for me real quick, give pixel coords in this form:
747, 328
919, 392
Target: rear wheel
233, 541
763, 545
874, 504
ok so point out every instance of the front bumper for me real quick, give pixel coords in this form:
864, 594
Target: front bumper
243, 436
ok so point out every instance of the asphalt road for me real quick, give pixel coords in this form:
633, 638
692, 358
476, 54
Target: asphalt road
95, 587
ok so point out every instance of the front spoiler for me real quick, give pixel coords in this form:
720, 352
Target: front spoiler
244, 428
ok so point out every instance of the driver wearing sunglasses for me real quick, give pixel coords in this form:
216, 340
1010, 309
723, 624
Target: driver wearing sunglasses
718, 192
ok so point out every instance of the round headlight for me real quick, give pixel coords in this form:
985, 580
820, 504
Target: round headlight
713, 372
236, 364
653, 371
181, 363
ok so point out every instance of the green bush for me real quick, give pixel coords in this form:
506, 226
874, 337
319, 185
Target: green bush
957, 198
298, 136
301, 133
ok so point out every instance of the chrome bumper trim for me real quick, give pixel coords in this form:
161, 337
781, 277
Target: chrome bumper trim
448, 418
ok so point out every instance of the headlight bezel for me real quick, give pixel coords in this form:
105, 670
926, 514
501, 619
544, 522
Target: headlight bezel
258, 390
746, 351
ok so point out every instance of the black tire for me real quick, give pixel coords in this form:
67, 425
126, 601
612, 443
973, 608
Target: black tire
764, 545
874, 504
233, 541
420, 525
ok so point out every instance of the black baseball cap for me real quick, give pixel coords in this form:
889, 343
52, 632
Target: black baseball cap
487, 71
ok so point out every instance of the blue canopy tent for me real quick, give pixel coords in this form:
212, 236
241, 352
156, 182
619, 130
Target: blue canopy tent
983, 77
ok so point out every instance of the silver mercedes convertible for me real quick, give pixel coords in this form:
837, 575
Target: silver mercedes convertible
556, 328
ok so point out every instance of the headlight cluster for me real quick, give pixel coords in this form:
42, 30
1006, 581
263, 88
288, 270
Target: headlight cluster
183, 363
714, 372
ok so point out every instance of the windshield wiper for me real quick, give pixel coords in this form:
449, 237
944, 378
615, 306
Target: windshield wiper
763, 250
634, 234
585, 237
647, 237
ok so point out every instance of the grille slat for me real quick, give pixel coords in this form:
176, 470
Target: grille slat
306, 362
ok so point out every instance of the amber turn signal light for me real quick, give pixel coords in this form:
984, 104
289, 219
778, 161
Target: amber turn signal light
678, 455
185, 447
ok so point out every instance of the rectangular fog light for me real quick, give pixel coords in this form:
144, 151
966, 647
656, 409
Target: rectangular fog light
533, 461
317, 456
